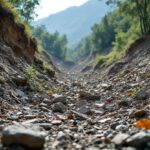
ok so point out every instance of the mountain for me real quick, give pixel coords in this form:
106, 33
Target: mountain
75, 22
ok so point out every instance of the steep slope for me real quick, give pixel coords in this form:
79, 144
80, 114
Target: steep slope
20, 63
75, 22
13, 36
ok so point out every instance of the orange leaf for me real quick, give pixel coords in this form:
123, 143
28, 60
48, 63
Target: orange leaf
143, 123
130, 93
50, 93
70, 116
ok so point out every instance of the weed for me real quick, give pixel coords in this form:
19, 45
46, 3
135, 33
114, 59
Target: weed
32, 81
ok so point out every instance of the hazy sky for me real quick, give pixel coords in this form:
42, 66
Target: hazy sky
48, 7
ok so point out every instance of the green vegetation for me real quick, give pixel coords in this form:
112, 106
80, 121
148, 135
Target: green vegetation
30, 73
117, 30
54, 44
33, 83
26, 8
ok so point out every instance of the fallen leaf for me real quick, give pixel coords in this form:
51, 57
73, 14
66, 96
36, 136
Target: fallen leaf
50, 92
70, 116
143, 123
130, 93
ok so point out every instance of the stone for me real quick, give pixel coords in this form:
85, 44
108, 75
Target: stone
50, 72
1, 92
62, 136
20, 93
142, 95
139, 139
114, 125
58, 107
56, 122
121, 127
2, 80
59, 98
123, 103
96, 141
90, 131
46, 126
140, 113
85, 110
25, 136
106, 86
107, 133
88, 96
120, 138
19, 80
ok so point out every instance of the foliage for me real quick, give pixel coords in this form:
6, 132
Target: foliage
118, 30
30, 72
55, 43
105, 60
103, 34
26, 8
80, 50
33, 83
138, 9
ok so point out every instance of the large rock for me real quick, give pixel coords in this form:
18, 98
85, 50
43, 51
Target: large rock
142, 95
58, 107
59, 98
120, 138
139, 139
25, 136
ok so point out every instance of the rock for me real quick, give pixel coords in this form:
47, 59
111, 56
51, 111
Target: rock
139, 139
120, 138
142, 95
2, 80
50, 72
100, 105
140, 114
107, 132
90, 131
59, 98
62, 136
115, 68
114, 125
96, 141
106, 86
88, 96
123, 103
56, 122
1, 92
129, 148
3, 68
20, 93
58, 107
28, 137
19, 80
46, 126
121, 127
85, 110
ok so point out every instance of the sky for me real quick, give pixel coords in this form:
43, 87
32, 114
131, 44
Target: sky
48, 7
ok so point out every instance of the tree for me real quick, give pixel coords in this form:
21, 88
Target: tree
103, 34
140, 9
55, 43
26, 8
